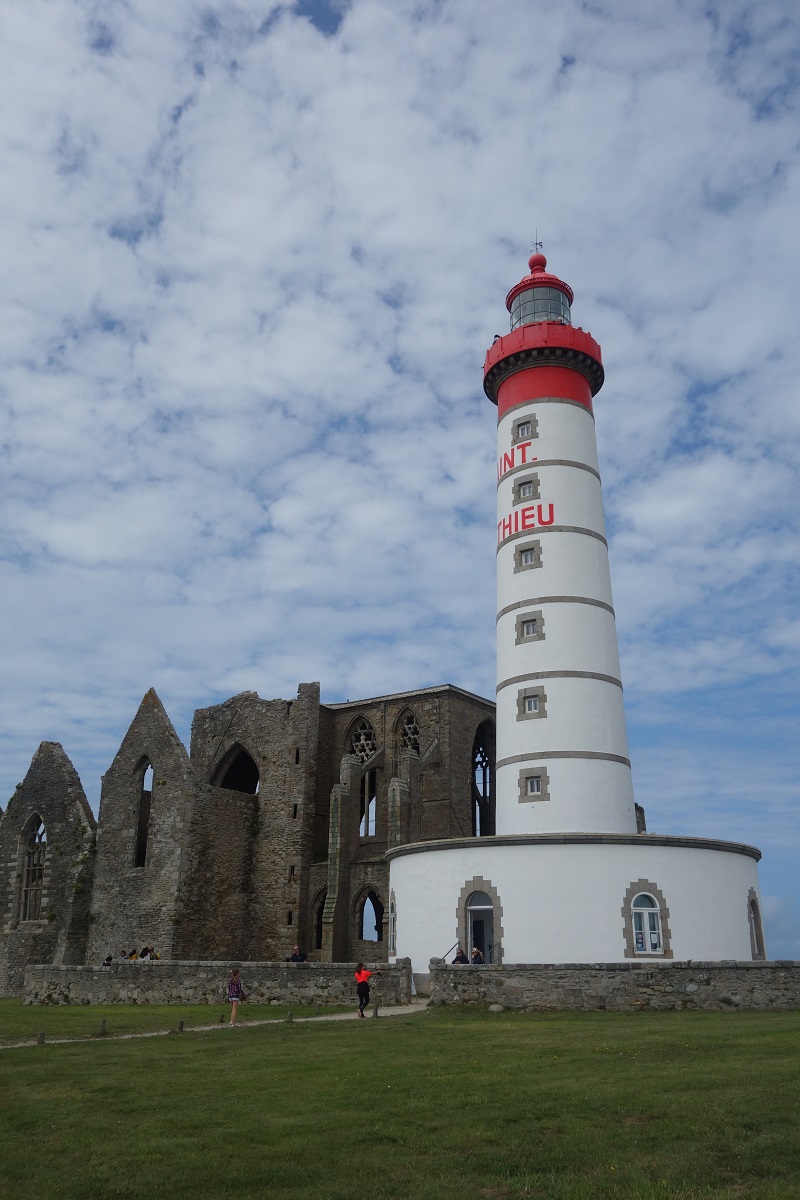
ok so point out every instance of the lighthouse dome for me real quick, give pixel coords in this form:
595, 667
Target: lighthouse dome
539, 297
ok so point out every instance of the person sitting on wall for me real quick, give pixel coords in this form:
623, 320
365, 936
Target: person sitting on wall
460, 956
477, 957
298, 955
107, 961
123, 954
144, 954
153, 956
133, 956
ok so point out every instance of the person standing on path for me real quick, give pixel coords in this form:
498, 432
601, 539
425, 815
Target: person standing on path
362, 977
235, 993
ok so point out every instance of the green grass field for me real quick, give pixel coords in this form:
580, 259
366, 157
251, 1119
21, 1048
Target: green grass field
438, 1104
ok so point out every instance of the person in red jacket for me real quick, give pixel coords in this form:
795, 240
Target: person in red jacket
362, 977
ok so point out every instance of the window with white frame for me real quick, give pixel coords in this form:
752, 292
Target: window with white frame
527, 556
647, 937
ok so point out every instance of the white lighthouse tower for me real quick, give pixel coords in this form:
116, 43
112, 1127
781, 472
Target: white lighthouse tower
562, 750
563, 872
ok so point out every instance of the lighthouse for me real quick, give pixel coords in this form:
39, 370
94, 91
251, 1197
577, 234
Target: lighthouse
562, 750
561, 870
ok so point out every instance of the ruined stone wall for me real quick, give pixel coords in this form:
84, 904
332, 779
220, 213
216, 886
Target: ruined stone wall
132, 904
281, 738
432, 796
206, 983
51, 793
217, 886
621, 987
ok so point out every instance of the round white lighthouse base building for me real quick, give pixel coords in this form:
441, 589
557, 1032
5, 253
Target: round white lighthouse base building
575, 898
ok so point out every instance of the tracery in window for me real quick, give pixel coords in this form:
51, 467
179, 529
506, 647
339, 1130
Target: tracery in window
409, 733
483, 781
33, 872
363, 743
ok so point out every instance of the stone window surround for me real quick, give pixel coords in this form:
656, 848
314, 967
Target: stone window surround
29, 829
517, 437
519, 565
526, 797
541, 711
361, 897
519, 483
651, 889
521, 621
757, 948
479, 884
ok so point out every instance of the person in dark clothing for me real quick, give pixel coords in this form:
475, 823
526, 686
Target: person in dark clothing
298, 955
477, 957
460, 957
362, 977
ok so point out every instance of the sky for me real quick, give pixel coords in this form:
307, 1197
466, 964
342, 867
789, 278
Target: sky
252, 258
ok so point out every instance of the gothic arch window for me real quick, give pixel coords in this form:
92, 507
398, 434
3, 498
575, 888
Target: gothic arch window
408, 734
362, 741
757, 948
368, 821
238, 772
35, 846
483, 781
369, 916
145, 770
479, 918
646, 921
317, 911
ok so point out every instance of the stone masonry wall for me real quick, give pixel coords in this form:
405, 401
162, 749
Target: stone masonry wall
280, 736
206, 983
621, 987
134, 904
51, 792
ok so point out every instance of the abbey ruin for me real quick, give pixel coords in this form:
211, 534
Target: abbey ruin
270, 831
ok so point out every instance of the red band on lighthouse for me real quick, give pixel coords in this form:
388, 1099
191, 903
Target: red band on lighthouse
535, 382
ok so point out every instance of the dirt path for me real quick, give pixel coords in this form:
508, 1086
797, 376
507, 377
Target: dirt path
399, 1010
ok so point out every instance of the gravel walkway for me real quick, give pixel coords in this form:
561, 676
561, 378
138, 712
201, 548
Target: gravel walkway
398, 1010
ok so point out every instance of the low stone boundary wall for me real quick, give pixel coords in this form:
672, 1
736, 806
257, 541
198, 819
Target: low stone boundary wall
172, 982
620, 987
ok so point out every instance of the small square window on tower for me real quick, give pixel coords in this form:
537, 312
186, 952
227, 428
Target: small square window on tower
531, 703
534, 785
526, 489
528, 556
529, 627
524, 429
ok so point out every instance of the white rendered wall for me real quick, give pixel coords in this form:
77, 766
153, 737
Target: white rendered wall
562, 902
579, 743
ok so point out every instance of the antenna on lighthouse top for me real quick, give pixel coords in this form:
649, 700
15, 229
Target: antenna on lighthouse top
537, 245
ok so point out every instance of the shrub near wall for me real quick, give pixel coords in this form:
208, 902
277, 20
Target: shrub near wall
621, 987
170, 982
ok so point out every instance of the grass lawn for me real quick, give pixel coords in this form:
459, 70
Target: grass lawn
440, 1104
